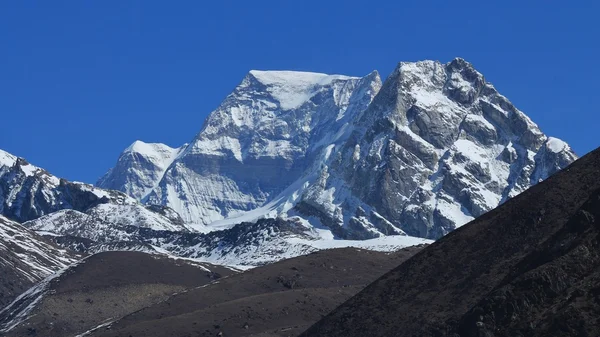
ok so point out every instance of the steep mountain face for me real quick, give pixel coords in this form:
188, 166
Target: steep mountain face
139, 168
528, 268
28, 192
26, 258
261, 140
437, 147
430, 149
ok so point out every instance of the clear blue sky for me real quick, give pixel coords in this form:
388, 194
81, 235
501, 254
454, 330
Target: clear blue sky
81, 80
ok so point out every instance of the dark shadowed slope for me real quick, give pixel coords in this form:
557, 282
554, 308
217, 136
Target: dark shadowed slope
26, 258
100, 289
529, 268
281, 299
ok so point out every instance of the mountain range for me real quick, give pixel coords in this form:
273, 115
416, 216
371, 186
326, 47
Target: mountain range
316, 158
289, 164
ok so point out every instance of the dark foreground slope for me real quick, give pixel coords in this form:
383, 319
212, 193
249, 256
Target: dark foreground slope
529, 268
99, 289
281, 299
25, 259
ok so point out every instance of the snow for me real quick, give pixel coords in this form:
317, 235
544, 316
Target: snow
274, 149
133, 215
101, 326
139, 168
29, 170
7, 159
460, 83
388, 243
222, 147
280, 204
101, 221
555, 145
257, 133
160, 252
116, 197
160, 154
41, 258
453, 211
148, 149
356, 153
293, 88
59, 222
270, 246
480, 120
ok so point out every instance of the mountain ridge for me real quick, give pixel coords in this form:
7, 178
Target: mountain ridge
107, 220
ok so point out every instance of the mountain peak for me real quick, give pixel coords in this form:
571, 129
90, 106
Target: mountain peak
295, 78
460, 62
149, 149
293, 88
426, 67
556, 145
139, 168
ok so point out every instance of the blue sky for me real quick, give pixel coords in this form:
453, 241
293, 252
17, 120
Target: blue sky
81, 80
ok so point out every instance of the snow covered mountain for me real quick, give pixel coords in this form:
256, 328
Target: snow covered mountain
28, 192
26, 258
139, 168
433, 147
88, 220
262, 139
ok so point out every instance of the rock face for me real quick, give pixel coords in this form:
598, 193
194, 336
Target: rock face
26, 258
439, 146
429, 150
28, 192
530, 267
